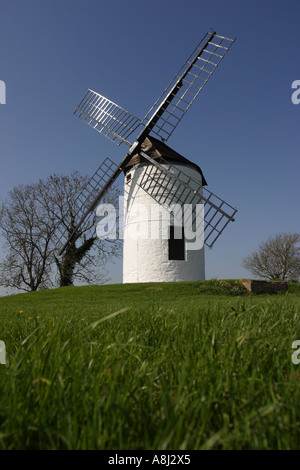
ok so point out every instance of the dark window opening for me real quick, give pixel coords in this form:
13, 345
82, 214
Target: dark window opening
176, 245
128, 178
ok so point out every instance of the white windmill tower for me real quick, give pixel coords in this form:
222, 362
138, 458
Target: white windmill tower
157, 247
179, 213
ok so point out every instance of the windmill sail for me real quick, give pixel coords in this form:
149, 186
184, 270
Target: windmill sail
88, 199
107, 117
117, 124
181, 92
168, 185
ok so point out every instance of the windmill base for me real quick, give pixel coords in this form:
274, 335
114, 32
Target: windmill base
149, 262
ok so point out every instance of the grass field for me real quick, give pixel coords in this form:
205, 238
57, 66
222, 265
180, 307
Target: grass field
167, 366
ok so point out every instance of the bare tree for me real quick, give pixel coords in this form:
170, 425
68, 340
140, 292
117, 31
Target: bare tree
31, 219
27, 234
86, 253
277, 258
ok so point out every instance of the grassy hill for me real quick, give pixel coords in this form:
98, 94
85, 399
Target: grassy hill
150, 366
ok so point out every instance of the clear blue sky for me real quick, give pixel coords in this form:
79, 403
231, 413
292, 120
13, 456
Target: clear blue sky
243, 130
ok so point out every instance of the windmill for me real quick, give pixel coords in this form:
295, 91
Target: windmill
156, 173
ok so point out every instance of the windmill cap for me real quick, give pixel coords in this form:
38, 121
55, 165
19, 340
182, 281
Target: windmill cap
156, 149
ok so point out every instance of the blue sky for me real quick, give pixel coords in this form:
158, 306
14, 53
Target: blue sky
243, 129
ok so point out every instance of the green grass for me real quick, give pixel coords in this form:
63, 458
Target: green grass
178, 366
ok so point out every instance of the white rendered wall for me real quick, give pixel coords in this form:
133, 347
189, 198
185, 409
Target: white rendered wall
146, 259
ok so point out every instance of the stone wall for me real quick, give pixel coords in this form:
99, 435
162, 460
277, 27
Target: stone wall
265, 287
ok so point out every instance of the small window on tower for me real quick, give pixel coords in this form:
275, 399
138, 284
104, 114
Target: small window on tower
128, 178
176, 243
